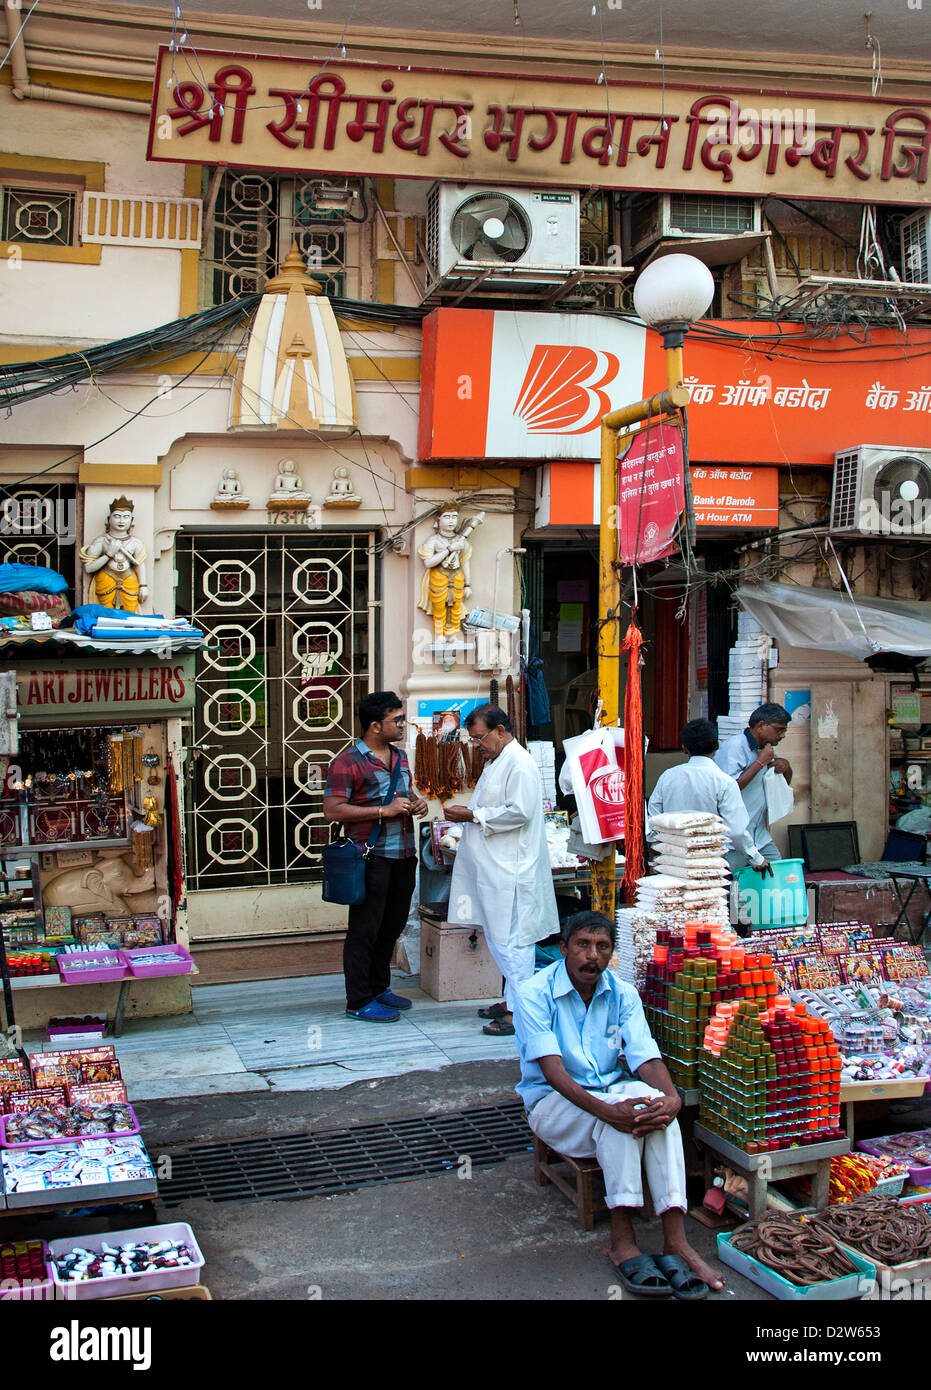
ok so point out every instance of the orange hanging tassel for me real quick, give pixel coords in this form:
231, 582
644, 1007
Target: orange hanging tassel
633, 763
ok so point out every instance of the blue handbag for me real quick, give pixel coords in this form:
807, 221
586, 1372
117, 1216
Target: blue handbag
344, 860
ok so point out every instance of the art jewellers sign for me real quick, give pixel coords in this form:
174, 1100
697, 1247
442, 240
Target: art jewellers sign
60, 693
364, 119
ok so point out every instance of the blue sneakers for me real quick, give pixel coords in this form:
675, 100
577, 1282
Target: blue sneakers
374, 1013
393, 1001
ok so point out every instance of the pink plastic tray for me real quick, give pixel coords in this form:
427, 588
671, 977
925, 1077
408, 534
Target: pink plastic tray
117, 1284
174, 967
42, 1291
918, 1175
64, 1138
91, 977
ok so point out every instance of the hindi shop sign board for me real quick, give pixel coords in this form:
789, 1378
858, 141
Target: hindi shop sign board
74, 692
364, 119
735, 497
503, 385
651, 495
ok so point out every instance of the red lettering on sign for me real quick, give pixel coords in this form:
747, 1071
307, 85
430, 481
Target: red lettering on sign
34, 695
179, 686
48, 687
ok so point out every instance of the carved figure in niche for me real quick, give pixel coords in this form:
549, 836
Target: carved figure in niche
447, 580
288, 491
110, 885
229, 493
117, 561
342, 493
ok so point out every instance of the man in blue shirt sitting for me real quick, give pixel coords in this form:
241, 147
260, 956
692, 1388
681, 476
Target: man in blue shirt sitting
581, 1035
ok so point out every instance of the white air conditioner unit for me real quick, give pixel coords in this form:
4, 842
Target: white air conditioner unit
503, 226
915, 245
687, 216
881, 490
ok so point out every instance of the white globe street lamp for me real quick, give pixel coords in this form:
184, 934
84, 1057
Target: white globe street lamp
672, 293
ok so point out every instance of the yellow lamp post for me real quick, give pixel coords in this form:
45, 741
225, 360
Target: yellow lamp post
669, 296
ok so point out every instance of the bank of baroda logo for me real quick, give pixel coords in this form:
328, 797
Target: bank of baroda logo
562, 389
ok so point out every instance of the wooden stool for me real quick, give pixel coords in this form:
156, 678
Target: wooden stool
578, 1186
584, 1171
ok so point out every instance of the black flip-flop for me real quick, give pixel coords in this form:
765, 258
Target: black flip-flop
642, 1277
493, 1011
685, 1284
499, 1029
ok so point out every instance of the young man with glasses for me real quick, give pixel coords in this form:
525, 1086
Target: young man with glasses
358, 782
502, 879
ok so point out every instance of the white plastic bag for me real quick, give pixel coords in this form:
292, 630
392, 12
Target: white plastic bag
780, 799
598, 783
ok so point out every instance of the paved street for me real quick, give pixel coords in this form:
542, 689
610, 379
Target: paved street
493, 1236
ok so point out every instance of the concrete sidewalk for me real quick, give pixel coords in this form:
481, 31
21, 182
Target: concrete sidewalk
293, 1035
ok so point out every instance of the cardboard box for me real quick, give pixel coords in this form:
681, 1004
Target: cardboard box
455, 962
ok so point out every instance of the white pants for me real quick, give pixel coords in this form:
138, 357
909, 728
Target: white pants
574, 1132
516, 965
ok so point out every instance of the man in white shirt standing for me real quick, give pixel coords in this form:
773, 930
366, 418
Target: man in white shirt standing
502, 878
700, 785
746, 756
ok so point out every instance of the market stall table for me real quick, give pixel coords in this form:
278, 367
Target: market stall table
914, 876
853, 1091
55, 982
761, 1169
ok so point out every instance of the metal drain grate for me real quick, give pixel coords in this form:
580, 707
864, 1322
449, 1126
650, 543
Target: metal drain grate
276, 1167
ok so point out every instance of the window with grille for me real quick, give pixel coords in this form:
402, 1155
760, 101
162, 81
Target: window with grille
34, 216
38, 526
704, 216
255, 219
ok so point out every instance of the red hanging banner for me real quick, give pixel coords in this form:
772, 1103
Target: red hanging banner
651, 495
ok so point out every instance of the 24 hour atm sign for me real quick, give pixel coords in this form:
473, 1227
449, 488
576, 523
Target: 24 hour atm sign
735, 496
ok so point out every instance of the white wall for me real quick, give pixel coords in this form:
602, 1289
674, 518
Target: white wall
132, 289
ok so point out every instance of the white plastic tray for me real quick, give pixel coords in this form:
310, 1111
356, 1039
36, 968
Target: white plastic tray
117, 1284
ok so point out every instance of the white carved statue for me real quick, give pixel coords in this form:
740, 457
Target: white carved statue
342, 493
229, 493
447, 577
116, 561
288, 491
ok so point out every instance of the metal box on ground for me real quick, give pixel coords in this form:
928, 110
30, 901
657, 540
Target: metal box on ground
455, 962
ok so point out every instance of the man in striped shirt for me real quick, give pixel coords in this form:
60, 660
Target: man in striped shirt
357, 785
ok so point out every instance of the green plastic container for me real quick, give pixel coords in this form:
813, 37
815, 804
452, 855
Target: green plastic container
777, 901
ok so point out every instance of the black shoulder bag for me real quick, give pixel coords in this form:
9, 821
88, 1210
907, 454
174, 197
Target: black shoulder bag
344, 860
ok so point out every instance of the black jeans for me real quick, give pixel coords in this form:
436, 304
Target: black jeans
374, 927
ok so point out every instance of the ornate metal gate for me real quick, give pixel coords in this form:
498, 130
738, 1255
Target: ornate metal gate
289, 619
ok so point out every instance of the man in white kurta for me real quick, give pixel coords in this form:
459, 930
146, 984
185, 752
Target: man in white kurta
502, 878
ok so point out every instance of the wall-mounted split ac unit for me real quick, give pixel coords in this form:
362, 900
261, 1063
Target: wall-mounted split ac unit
687, 216
502, 226
881, 490
915, 246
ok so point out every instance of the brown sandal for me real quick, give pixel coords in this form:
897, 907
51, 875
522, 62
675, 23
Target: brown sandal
499, 1029
493, 1011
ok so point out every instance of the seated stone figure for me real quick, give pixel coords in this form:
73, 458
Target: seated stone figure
288, 491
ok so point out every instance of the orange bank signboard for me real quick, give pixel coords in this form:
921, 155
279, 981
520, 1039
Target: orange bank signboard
507, 385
